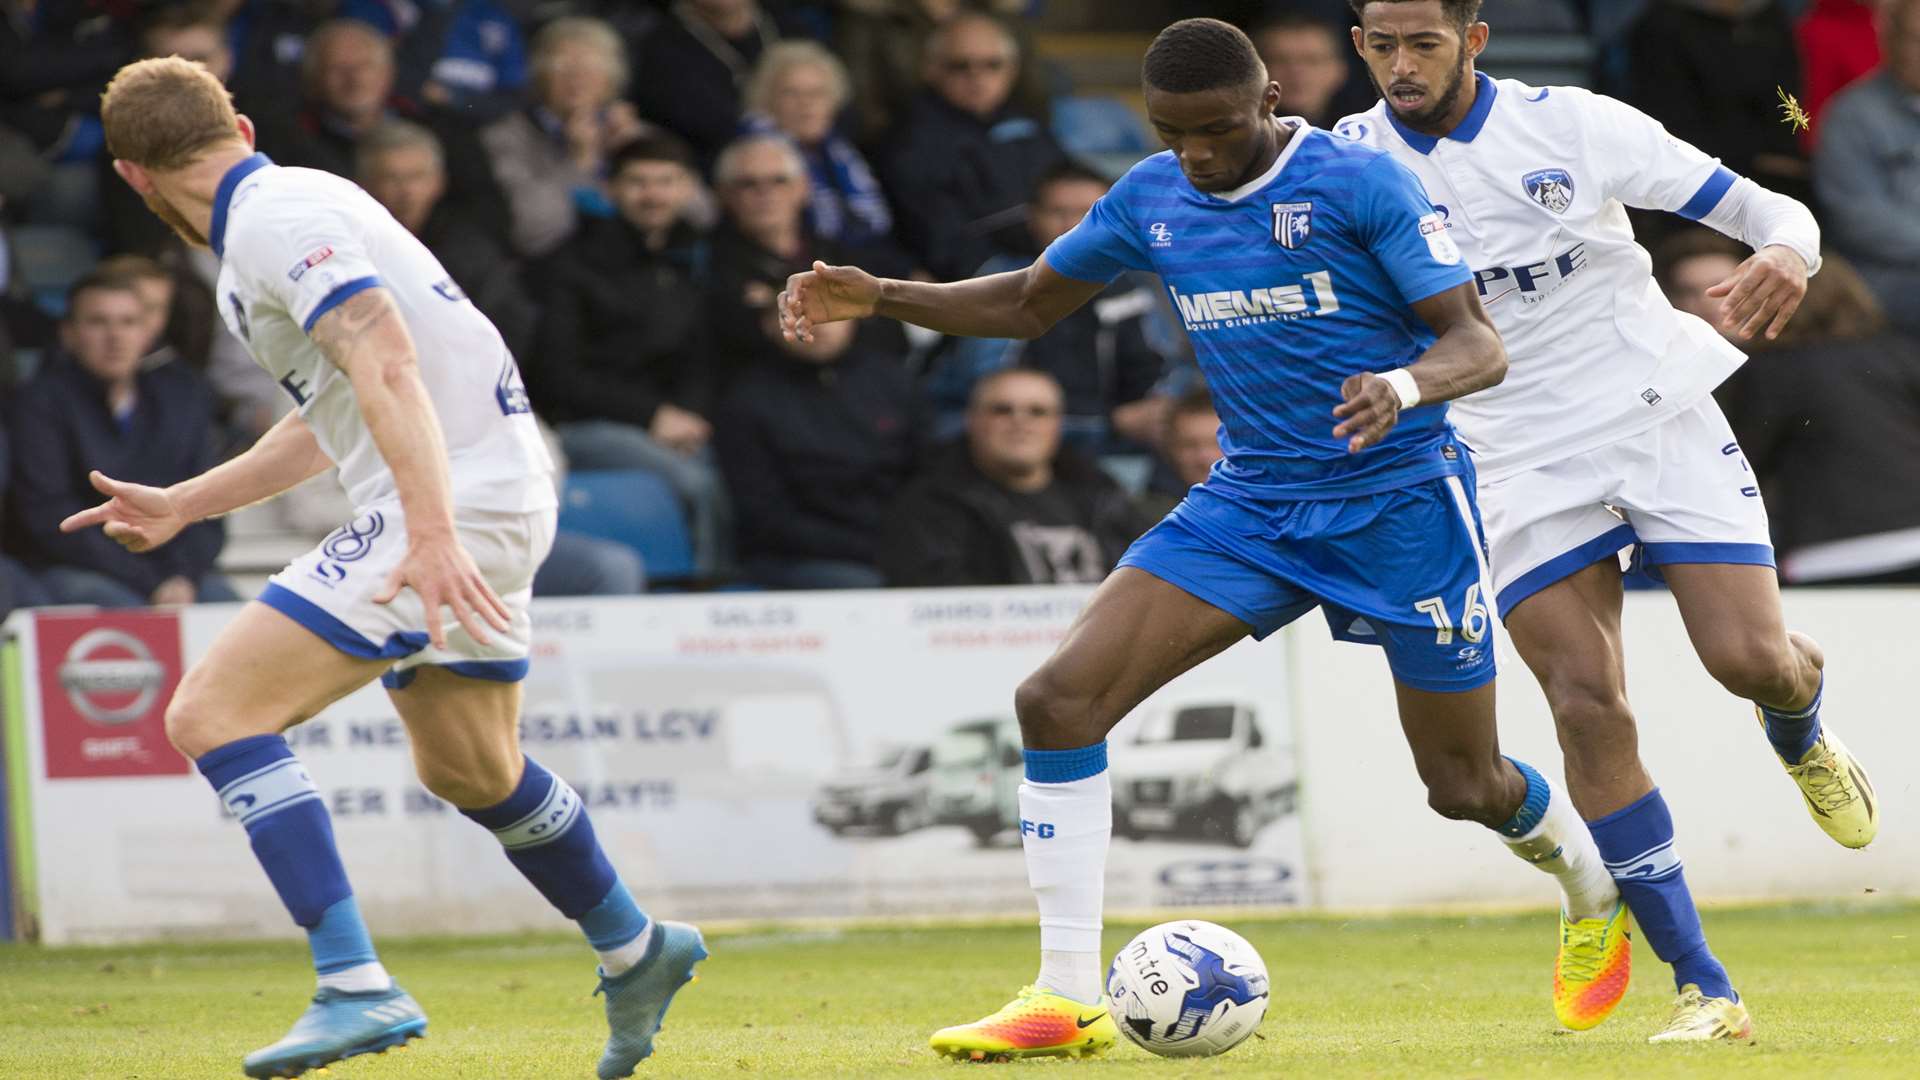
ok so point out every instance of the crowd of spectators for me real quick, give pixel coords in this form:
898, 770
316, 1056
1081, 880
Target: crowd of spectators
624, 188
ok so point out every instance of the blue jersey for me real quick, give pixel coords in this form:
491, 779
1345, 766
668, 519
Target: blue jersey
1287, 286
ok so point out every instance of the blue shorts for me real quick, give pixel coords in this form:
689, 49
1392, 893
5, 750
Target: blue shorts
1402, 569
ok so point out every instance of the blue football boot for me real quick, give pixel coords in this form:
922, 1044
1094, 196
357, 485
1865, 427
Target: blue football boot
637, 999
341, 1025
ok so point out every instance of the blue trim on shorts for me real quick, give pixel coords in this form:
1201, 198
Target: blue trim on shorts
1474, 681
341, 294
1564, 566
1668, 552
328, 628
507, 671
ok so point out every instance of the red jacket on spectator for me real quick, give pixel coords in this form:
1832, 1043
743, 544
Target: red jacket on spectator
1838, 44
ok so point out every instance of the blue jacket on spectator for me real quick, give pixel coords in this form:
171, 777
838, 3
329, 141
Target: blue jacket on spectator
473, 48
62, 429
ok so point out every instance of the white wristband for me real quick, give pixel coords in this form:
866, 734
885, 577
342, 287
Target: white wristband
1403, 385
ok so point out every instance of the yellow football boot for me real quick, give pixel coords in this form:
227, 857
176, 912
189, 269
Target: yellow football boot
1840, 798
1037, 1023
1698, 1018
1590, 975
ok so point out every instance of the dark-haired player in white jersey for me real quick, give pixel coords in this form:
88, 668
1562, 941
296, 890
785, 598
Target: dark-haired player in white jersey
1605, 436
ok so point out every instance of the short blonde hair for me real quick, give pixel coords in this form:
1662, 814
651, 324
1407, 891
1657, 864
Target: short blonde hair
784, 57
586, 30
164, 113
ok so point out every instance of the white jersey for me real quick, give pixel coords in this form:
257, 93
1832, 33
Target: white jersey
296, 243
1533, 187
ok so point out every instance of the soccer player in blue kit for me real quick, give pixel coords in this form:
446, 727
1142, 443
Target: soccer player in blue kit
1332, 316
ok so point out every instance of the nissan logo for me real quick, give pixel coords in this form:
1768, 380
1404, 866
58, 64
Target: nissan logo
1230, 875
85, 674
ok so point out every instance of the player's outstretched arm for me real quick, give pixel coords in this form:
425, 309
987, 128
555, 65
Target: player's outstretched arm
142, 518
366, 338
1017, 304
1467, 356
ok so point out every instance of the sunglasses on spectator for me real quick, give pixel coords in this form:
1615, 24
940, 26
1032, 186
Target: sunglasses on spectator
986, 65
1003, 409
754, 183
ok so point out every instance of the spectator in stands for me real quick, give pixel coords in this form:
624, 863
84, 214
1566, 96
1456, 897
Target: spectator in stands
468, 54
269, 43
1106, 355
961, 165
551, 157
697, 60
622, 364
1838, 44
1311, 60
1690, 262
1868, 170
815, 445
1190, 442
94, 407
884, 43
401, 165
1008, 505
349, 91
799, 90
582, 565
1708, 70
18, 587
1829, 417
55, 58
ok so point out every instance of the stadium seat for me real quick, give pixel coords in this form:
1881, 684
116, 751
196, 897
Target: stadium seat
1092, 124
634, 508
49, 258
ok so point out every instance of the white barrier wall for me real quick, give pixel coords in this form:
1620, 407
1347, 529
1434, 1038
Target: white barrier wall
727, 746
1741, 827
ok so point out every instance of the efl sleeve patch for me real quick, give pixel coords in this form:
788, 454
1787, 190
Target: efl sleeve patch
1434, 228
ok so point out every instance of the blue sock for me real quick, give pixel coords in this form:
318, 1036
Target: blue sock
1637, 844
1533, 805
548, 838
265, 786
1794, 733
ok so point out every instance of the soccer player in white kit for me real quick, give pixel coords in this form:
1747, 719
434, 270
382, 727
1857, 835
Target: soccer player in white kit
400, 382
1605, 436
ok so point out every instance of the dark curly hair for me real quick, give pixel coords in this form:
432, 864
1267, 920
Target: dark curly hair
1201, 54
1464, 13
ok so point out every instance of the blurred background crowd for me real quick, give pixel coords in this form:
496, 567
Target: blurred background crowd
624, 186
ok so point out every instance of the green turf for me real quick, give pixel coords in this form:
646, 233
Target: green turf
1833, 991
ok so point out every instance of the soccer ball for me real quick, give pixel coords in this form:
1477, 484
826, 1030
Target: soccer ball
1188, 989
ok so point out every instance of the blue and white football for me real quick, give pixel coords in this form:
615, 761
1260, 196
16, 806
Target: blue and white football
1188, 989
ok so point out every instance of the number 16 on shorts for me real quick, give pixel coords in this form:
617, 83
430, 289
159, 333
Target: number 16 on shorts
1474, 618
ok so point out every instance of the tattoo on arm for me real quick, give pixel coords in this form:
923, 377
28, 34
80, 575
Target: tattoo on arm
361, 317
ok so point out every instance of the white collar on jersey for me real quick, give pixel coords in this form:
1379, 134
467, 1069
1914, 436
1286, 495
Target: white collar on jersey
1301, 128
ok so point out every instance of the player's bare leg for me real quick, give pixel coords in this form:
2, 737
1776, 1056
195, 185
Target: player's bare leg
1733, 615
1456, 750
264, 674
1135, 635
466, 748
1569, 635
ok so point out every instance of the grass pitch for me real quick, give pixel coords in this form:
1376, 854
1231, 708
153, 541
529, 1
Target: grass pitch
1835, 992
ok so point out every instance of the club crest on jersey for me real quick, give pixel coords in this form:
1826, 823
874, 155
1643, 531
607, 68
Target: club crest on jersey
1292, 224
1551, 188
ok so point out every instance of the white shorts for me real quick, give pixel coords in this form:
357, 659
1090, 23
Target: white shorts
330, 591
1682, 491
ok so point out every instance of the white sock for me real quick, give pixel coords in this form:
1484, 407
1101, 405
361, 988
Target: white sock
1562, 846
358, 979
1065, 829
620, 960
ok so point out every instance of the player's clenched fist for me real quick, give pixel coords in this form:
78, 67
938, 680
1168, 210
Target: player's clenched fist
825, 294
1370, 409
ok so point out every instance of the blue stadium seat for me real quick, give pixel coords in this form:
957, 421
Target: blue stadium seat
634, 508
1092, 124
